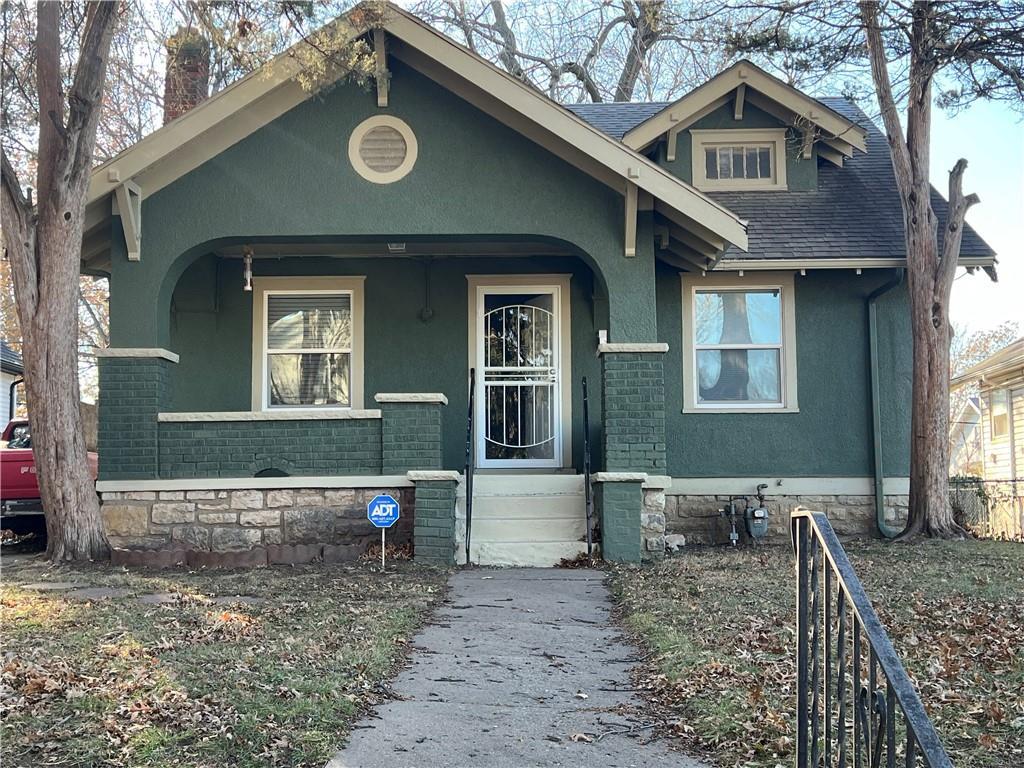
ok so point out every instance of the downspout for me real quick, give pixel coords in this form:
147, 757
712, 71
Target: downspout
876, 404
10, 398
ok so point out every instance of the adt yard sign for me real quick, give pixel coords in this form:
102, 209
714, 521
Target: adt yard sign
383, 511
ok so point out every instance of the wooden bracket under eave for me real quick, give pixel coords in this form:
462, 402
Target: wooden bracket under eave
631, 208
129, 206
382, 75
741, 94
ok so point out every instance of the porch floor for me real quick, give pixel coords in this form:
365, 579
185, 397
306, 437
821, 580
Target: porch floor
520, 667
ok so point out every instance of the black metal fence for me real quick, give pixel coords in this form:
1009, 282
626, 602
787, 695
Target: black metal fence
992, 509
856, 705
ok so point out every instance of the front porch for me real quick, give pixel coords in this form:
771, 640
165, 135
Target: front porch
272, 415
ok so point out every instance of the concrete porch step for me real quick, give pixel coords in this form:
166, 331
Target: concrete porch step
524, 520
521, 554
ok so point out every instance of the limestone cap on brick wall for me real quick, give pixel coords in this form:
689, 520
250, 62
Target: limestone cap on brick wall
411, 397
619, 477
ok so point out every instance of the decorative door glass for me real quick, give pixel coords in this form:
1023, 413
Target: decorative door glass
520, 419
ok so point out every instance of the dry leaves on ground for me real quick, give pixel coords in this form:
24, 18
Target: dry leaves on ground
719, 625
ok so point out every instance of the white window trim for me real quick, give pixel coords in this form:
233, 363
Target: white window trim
728, 136
780, 281
389, 121
264, 286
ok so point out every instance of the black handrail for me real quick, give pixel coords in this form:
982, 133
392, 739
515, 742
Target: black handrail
469, 461
588, 493
876, 702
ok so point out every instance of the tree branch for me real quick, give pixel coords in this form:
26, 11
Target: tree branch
886, 102
50, 95
509, 47
18, 223
959, 204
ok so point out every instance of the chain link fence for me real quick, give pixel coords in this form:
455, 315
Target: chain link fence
992, 509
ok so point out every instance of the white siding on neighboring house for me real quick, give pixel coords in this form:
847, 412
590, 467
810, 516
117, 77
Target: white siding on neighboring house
1017, 428
6, 379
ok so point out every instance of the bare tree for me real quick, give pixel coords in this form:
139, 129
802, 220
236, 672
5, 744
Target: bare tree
976, 50
582, 50
55, 62
967, 349
42, 243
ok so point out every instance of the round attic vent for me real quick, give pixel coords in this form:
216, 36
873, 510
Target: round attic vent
382, 149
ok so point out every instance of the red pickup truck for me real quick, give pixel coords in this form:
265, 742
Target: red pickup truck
19, 489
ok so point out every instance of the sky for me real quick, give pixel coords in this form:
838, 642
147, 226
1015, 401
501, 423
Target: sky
991, 137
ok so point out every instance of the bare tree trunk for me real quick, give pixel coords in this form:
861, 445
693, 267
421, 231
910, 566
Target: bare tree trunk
44, 248
929, 273
646, 22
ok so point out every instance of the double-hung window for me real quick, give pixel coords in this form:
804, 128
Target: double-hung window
739, 343
307, 343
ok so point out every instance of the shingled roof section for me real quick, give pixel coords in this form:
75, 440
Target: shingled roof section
616, 118
854, 213
10, 361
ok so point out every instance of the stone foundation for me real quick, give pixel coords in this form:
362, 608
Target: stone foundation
248, 527
699, 518
653, 524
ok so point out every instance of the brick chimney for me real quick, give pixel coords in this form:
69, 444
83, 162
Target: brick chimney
187, 81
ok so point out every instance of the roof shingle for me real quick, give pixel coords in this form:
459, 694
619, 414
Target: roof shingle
10, 361
854, 213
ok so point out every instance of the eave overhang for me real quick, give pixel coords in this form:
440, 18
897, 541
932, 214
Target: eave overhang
257, 99
745, 82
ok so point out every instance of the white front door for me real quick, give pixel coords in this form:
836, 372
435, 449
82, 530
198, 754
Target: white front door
518, 376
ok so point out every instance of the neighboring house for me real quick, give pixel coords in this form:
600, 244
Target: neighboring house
965, 458
300, 288
1000, 380
11, 372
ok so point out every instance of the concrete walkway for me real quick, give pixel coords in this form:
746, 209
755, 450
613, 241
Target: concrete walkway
516, 663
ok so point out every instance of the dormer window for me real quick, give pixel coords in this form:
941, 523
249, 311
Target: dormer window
739, 159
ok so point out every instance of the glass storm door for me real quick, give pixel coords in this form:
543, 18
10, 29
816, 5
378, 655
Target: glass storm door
518, 412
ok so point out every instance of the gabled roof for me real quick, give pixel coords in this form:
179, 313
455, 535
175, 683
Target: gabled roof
792, 229
1007, 363
10, 361
745, 81
262, 96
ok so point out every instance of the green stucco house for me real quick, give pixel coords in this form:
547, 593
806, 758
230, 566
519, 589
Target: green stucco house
304, 283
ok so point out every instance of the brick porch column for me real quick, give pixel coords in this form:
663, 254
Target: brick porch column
633, 407
619, 499
133, 389
434, 524
633, 434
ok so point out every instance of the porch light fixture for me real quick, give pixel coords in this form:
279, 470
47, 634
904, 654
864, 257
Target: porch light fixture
247, 269
396, 247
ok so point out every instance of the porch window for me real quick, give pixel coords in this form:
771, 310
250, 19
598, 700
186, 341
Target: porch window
739, 341
307, 343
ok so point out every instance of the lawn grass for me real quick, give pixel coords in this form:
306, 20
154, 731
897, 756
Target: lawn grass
277, 683
719, 626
